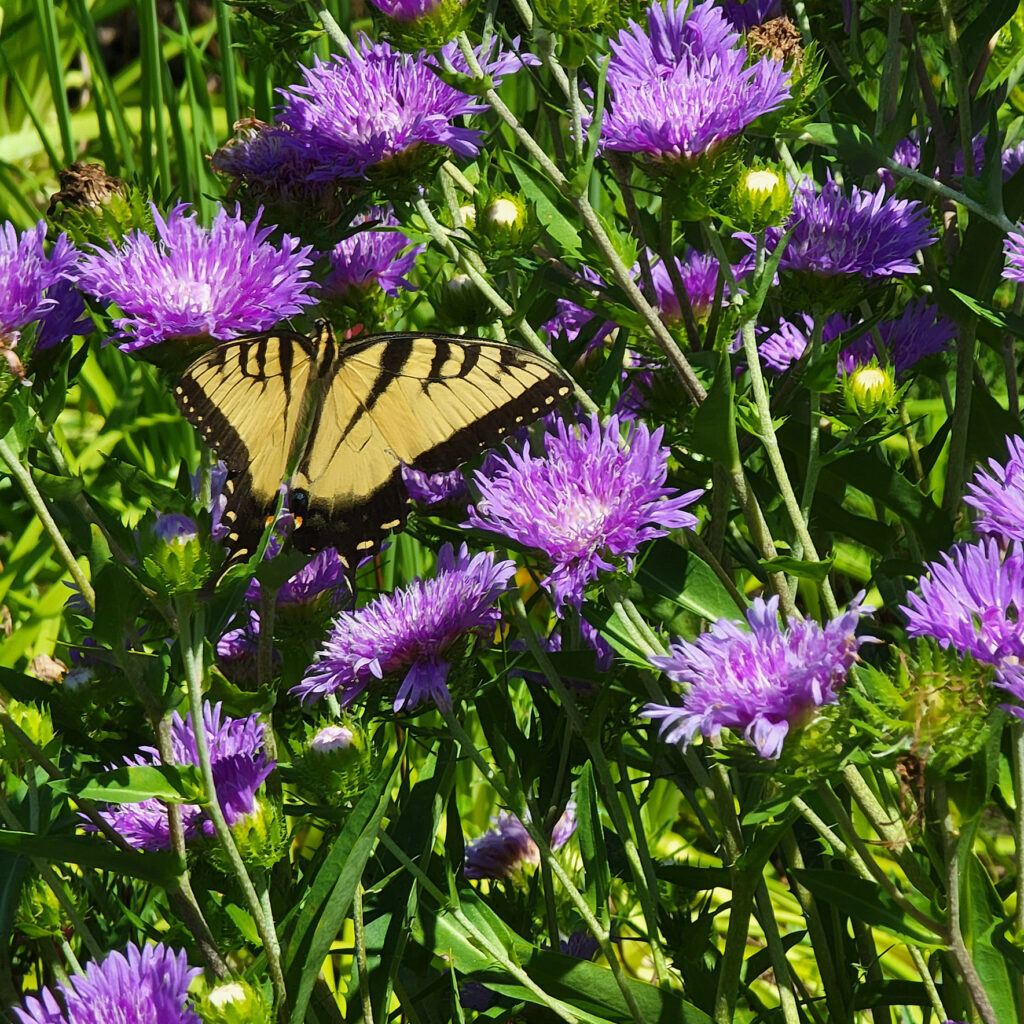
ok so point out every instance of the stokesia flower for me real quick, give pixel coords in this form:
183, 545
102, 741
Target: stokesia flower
919, 331
411, 630
592, 497
239, 768
197, 282
147, 986
1013, 249
36, 285
973, 599
681, 87
865, 234
745, 14
762, 682
357, 113
999, 495
507, 848
371, 258
699, 274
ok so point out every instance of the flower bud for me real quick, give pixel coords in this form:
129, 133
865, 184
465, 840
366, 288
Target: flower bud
870, 391
760, 198
567, 17
259, 836
416, 25
336, 762
33, 720
177, 561
508, 223
458, 302
233, 1002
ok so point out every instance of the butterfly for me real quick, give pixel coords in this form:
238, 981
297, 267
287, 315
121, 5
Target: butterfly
338, 421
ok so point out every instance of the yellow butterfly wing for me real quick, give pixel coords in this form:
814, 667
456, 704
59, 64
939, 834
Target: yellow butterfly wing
426, 401
249, 400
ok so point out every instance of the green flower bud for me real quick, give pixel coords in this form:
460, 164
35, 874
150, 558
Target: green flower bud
760, 198
508, 222
428, 31
233, 1002
336, 762
458, 302
177, 561
570, 17
260, 837
870, 391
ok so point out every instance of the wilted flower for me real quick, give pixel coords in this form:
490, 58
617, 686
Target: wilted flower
1013, 248
973, 599
865, 234
591, 497
507, 848
197, 282
999, 495
239, 768
410, 630
147, 986
359, 112
759, 683
371, 258
35, 285
681, 87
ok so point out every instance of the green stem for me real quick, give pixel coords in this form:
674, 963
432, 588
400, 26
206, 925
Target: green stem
731, 964
960, 428
954, 936
929, 983
334, 31
360, 943
35, 499
766, 432
780, 966
192, 656
888, 88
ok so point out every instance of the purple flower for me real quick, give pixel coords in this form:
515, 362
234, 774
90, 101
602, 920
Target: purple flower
681, 87
1013, 249
699, 274
370, 258
592, 496
213, 282
147, 986
325, 572
864, 234
357, 112
35, 286
761, 682
570, 319
1010, 678
507, 848
1013, 160
999, 496
920, 331
407, 10
434, 488
66, 318
273, 162
973, 599
410, 630
744, 14
239, 768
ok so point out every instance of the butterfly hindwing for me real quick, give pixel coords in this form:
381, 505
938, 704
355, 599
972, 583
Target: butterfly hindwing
248, 400
428, 401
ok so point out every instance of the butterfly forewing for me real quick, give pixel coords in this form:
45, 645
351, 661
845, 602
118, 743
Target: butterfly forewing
248, 398
427, 401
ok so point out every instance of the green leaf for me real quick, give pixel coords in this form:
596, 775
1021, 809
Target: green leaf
714, 426
866, 902
591, 836
1005, 319
816, 571
131, 784
90, 852
327, 901
673, 572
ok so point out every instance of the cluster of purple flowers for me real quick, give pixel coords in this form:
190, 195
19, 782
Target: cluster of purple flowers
682, 86
239, 769
973, 597
760, 683
147, 986
38, 287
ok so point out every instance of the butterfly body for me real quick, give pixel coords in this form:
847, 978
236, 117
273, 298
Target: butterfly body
338, 421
